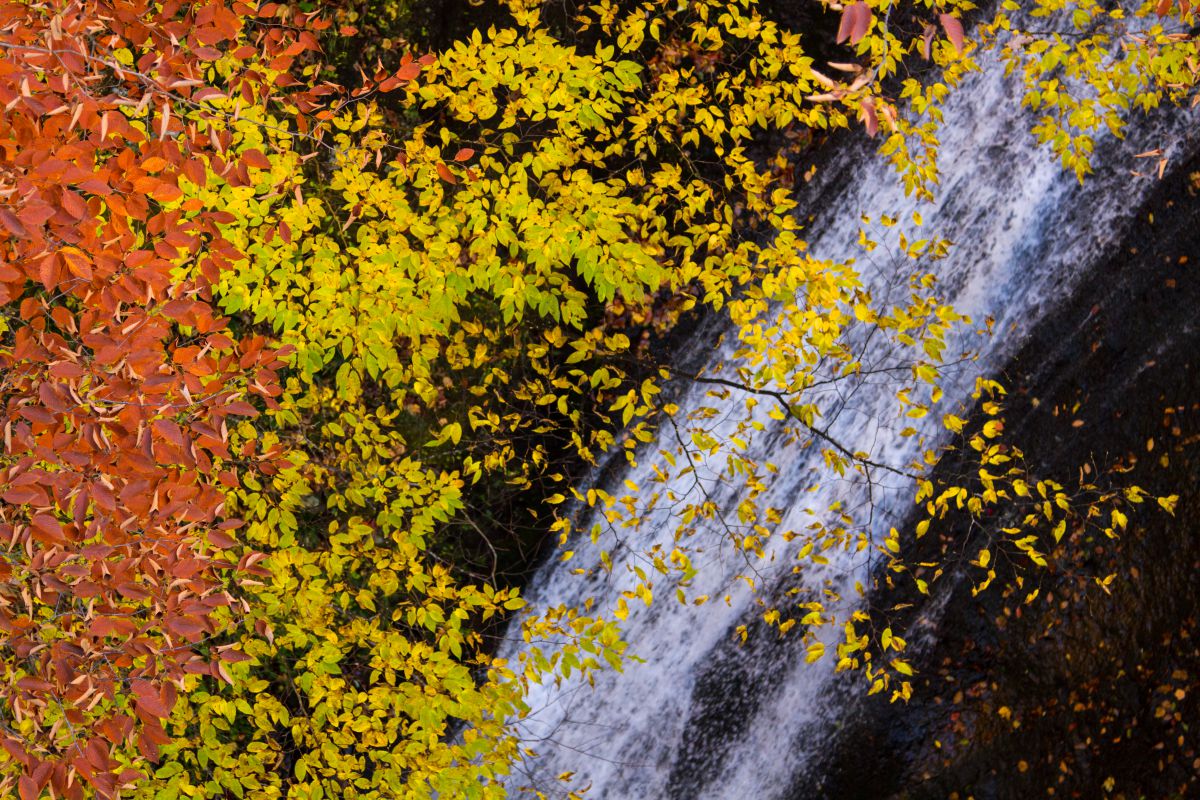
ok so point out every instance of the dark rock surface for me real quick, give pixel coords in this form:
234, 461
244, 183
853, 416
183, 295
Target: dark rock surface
1080, 694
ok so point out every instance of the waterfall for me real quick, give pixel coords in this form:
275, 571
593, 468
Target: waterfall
706, 716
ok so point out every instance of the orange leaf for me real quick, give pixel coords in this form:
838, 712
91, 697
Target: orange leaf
154, 164
408, 71
73, 204
445, 174
14, 225
76, 263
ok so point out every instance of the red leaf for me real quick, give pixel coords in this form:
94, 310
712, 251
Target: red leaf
862, 21
149, 700
186, 626
219, 539
14, 749
255, 158
445, 174
241, 409
464, 154
96, 753
24, 494
856, 18
844, 26
170, 431
32, 684
147, 747
954, 31
869, 118
234, 656
50, 398
49, 527
28, 788
37, 414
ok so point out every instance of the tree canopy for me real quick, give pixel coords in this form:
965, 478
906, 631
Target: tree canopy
276, 351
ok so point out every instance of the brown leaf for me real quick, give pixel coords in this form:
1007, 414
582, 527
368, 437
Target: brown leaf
218, 671
845, 26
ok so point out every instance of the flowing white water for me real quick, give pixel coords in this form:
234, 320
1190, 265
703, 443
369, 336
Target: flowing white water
704, 717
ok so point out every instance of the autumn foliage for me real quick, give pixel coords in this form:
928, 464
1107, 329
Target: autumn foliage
262, 357
120, 380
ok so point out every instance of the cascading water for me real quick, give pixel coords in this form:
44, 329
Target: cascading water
705, 716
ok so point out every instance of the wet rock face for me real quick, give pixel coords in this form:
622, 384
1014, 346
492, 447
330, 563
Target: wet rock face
726, 697
1082, 693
